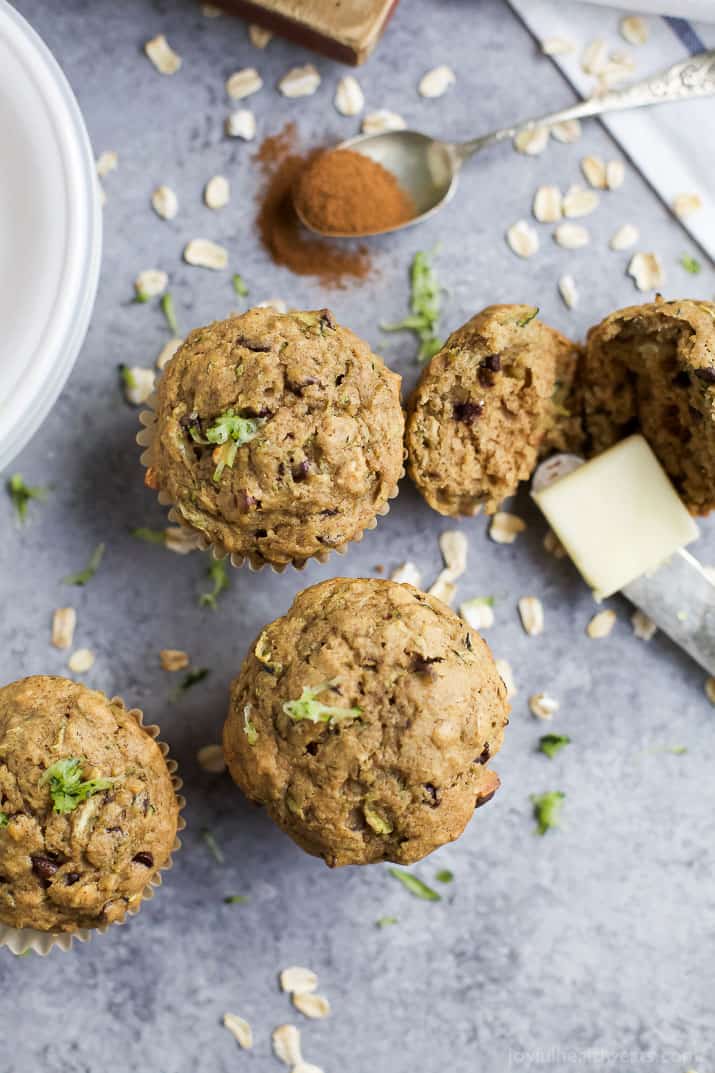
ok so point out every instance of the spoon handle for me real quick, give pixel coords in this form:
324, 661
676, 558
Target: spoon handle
694, 77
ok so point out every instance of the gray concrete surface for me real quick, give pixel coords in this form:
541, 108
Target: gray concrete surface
591, 947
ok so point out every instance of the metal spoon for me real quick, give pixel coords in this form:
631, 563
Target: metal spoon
428, 169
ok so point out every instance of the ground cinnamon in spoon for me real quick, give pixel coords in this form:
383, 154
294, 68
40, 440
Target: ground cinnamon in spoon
282, 234
346, 193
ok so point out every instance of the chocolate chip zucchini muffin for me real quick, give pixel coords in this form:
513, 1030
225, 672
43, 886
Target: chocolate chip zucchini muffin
88, 812
364, 720
278, 436
493, 399
651, 369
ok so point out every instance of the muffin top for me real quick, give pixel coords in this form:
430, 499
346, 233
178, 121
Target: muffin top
278, 436
364, 719
651, 369
88, 812
487, 404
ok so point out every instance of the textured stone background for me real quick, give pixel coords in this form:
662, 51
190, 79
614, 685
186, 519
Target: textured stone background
597, 936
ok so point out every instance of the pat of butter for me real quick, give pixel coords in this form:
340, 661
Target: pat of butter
618, 516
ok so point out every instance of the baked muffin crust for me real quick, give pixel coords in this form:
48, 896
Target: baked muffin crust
408, 708
487, 405
651, 369
88, 811
320, 426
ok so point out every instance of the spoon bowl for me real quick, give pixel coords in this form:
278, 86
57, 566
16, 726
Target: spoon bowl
427, 168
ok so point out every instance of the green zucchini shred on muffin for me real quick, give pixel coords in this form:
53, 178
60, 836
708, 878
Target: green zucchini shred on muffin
67, 787
307, 706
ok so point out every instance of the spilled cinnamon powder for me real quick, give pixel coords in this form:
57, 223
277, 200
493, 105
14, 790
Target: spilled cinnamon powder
286, 240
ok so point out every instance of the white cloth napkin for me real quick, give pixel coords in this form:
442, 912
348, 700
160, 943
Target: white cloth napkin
673, 145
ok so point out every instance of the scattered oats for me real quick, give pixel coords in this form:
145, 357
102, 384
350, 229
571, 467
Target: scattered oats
686, 204
620, 55
259, 36
162, 55
203, 253
579, 202
567, 290
615, 174
643, 627
164, 202
566, 132
138, 384
173, 659
507, 676
286, 1044
710, 689
594, 57
572, 236
382, 120
647, 271
300, 81
296, 978
547, 204
241, 124
505, 527
64, 621
553, 545
182, 540
243, 83
444, 588
349, 97
620, 66
454, 547
523, 239
276, 304
211, 11
436, 82
167, 352
81, 661
239, 1029
477, 612
407, 574
150, 283
532, 140
313, 1006
634, 30
543, 706
624, 237
594, 171
211, 759
531, 613
217, 193
106, 162
557, 46
601, 624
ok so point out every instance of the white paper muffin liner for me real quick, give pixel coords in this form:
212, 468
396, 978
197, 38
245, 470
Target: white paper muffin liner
21, 940
145, 439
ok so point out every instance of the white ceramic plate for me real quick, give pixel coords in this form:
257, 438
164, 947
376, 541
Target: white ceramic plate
50, 231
